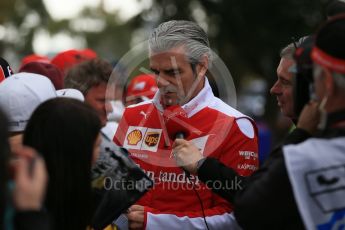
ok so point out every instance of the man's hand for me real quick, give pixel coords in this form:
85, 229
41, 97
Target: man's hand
30, 180
186, 155
136, 217
309, 117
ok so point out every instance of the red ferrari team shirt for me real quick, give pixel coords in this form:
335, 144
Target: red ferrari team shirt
218, 130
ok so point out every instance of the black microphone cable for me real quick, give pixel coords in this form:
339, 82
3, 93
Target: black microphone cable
199, 198
181, 135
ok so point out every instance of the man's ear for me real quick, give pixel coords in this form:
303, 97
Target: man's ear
202, 66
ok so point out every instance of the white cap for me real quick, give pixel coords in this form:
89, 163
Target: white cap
21, 94
70, 93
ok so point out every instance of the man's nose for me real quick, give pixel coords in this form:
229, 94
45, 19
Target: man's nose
162, 82
276, 89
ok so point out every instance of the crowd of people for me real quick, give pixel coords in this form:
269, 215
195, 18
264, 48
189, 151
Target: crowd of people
57, 122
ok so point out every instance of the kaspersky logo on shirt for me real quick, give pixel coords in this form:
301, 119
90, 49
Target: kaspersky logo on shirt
142, 138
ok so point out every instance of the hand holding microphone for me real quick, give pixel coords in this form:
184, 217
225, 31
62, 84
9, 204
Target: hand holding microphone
186, 153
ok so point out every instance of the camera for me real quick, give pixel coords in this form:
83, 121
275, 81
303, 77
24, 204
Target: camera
118, 181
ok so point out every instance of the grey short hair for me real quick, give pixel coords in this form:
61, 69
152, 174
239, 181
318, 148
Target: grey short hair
289, 50
181, 33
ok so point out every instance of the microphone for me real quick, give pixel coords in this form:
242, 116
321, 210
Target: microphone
179, 135
176, 122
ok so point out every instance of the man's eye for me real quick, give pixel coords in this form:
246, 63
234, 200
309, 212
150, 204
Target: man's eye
155, 72
174, 73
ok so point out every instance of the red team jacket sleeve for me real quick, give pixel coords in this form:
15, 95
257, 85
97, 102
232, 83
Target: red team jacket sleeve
241, 150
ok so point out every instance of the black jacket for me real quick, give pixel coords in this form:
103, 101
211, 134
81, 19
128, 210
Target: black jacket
263, 200
30, 220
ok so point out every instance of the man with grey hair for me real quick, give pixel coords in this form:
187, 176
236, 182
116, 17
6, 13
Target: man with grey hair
180, 55
315, 168
283, 87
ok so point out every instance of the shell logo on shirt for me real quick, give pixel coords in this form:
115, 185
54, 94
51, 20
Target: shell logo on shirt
142, 138
134, 137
